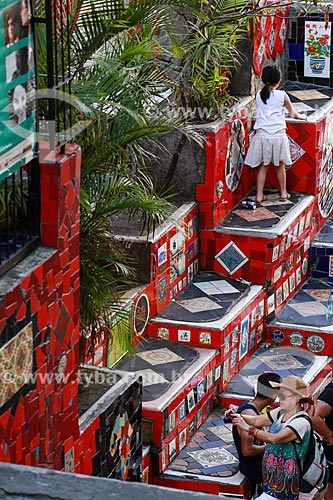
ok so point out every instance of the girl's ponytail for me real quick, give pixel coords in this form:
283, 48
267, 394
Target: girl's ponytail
265, 93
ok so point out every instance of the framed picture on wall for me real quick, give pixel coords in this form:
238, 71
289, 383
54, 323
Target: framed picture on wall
190, 400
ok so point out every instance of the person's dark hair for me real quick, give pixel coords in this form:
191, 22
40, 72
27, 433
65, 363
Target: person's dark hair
270, 76
264, 389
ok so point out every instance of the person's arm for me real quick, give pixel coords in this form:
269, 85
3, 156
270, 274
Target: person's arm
322, 410
256, 420
291, 110
284, 436
249, 449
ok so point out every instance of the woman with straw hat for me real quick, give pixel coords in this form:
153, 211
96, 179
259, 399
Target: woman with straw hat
288, 434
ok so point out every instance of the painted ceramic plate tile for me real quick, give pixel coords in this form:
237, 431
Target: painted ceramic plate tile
198, 304
296, 339
277, 336
160, 356
231, 257
278, 296
315, 343
252, 338
213, 457
141, 314
149, 377
306, 309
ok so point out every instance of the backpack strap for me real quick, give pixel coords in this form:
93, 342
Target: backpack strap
297, 457
311, 434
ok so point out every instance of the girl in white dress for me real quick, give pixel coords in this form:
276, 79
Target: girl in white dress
270, 143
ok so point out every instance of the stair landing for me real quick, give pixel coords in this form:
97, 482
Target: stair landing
303, 322
271, 218
285, 361
209, 462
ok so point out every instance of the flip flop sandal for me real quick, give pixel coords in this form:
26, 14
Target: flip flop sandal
262, 199
286, 198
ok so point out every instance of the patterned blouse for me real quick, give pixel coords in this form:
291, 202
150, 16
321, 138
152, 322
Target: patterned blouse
281, 474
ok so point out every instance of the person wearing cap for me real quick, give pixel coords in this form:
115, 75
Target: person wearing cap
323, 424
281, 467
250, 450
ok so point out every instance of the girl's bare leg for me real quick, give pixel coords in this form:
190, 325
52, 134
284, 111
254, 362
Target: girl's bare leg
261, 178
282, 178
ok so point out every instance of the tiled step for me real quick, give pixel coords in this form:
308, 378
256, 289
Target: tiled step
254, 244
303, 322
178, 386
215, 312
312, 368
208, 463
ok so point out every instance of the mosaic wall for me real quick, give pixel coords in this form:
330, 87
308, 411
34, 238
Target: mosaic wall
39, 332
111, 445
226, 181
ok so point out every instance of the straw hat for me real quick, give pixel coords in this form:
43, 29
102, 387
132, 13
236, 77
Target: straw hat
295, 385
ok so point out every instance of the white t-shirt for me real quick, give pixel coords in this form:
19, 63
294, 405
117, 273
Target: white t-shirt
271, 116
299, 425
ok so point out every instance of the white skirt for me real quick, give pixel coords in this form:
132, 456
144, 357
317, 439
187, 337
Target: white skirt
268, 148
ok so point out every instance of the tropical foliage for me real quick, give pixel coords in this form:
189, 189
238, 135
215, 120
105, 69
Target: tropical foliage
127, 61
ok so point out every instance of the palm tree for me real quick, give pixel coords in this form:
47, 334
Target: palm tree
122, 67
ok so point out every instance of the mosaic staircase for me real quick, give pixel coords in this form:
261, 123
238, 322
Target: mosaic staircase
203, 336
303, 321
270, 250
209, 462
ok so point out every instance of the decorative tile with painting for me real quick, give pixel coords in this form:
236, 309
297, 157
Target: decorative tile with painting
244, 338
190, 400
201, 389
184, 335
181, 411
205, 338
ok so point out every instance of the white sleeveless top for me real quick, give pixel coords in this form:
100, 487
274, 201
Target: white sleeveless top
271, 116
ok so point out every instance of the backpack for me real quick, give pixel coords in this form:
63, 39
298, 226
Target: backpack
314, 473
